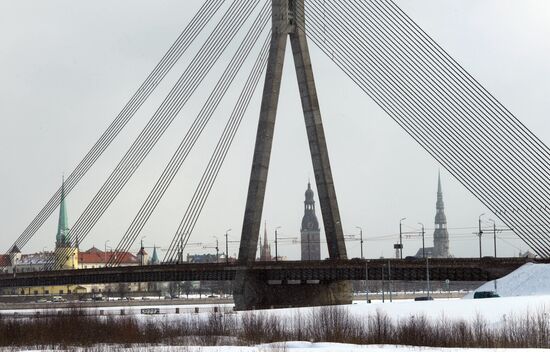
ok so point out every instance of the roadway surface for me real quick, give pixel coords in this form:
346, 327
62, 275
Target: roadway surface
454, 269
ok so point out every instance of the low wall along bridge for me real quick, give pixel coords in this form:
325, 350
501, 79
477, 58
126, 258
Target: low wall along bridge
394, 62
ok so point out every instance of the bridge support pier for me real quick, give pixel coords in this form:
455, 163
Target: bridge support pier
252, 292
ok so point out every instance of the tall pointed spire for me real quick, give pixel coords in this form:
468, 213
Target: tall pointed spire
265, 233
265, 251
439, 183
155, 258
61, 239
441, 235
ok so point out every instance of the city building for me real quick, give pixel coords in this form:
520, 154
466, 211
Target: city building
67, 253
440, 248
310, 234
265, 249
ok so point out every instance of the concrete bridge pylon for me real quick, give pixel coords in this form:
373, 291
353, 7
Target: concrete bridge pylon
251, 291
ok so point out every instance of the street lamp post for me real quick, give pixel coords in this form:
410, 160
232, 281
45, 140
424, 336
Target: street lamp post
217, 250
383, 295
480, 232
105, 253
227, 245
367, 280
428, 276
390, 288
276, 250
401, 238
361, 239
142, 250
423, 246
494, 236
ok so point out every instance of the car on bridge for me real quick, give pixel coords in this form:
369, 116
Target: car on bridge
485, 294
424, 298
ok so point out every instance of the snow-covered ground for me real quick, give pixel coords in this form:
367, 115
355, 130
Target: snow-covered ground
525, 291
528, 280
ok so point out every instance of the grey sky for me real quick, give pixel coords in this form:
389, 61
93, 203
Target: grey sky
67, 68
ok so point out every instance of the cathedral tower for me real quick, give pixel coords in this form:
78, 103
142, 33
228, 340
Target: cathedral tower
441, 236
64, 250
265, 252
310, 232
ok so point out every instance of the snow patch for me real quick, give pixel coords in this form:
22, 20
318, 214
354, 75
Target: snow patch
528, 280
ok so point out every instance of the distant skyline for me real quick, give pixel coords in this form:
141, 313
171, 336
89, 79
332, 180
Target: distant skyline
69, 67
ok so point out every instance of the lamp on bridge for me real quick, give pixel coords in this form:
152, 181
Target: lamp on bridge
479, 233
401, 238
276, 251
227, 245
105, 252
423, 246
361, 239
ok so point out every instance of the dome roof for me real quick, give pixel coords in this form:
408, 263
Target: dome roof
310, 222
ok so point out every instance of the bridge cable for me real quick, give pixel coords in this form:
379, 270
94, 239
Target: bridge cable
178, 96
182, 43
193, 134
212, 170
539, 155
324, 39
195, 73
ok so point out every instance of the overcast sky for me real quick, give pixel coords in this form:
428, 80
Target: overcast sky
67, 68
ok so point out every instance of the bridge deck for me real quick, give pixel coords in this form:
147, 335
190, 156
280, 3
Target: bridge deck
454, 269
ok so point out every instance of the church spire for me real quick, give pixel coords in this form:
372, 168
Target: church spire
441, 235
265, 252
440, 206
265, 234
63, 223
155, 258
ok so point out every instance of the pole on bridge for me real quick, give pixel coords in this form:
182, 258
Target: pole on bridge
428, 276
479, 233
401, 238
423, 246
494, 236
276, 250
383, 296
227, 245
361, 238
390, 283
367, 280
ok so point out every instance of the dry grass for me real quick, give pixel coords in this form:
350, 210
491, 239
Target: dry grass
328, 324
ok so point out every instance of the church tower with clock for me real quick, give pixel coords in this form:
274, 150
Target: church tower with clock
310, 232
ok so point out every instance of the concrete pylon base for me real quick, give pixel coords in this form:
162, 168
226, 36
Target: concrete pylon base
251, 292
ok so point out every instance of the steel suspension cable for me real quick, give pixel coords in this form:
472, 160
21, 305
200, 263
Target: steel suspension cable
193, 133
541, 207
325, 11
322, 40
195, 73
212, 170
191, 31
495, 103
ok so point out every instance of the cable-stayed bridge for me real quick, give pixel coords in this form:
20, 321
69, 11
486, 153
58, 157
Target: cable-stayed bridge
389, 57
